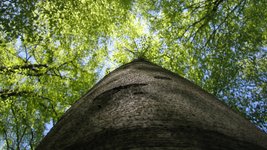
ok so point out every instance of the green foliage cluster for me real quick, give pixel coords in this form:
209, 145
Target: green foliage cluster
52, 52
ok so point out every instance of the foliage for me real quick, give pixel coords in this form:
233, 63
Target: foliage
52, 52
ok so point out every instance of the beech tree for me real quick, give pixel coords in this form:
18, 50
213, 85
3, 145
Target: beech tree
52, 52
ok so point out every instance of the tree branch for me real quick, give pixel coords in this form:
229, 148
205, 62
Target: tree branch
6, 139
9, 93
33, 67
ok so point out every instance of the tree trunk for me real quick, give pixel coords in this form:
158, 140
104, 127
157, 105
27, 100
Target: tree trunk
143, 106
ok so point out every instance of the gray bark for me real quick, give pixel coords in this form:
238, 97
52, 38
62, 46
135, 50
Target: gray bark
142, 106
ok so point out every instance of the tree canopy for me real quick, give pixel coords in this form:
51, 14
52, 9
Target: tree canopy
52, 52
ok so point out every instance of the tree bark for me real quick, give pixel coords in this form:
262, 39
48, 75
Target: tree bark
143, 106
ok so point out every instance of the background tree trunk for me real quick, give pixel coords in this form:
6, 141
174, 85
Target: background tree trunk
143, 106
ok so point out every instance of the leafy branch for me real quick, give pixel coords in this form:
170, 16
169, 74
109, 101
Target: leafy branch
9, 93
13, 69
